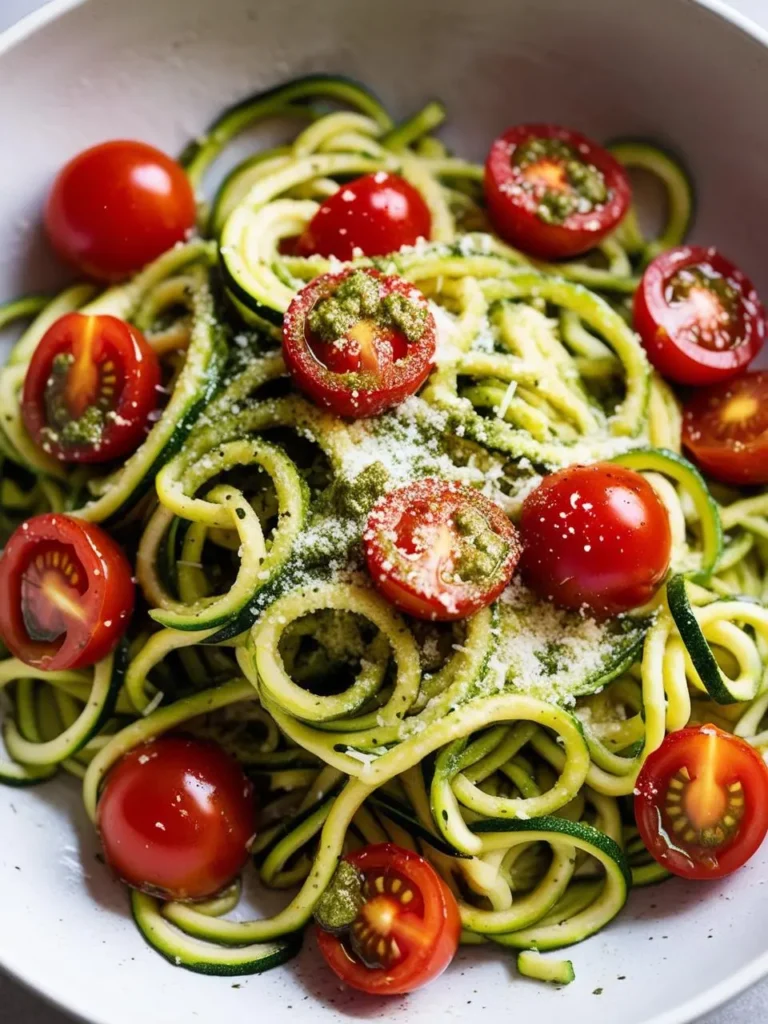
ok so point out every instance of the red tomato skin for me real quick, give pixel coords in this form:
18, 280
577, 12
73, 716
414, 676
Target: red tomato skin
176, 818
515, 218
364, 395
138, 399
619, 551
679, 359
117, 206
376, 214
438, 600
108, 599
441, 921
651, 787
740, 459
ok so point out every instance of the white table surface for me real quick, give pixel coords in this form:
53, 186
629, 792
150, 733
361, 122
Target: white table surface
19, 1006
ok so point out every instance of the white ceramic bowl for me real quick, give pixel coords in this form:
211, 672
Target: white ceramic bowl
673, 70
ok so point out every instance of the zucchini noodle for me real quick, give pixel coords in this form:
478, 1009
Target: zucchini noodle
498, 747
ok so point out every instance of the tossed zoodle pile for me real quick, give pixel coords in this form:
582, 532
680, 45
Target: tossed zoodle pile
420, 504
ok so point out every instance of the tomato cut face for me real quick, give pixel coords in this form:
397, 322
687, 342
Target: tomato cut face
67, 593
725, 429
90, 389
116, 207
403, 927
701, 802
440, 551
595, 537
177, 818
359, 343
699, 317
371, 216
553, 192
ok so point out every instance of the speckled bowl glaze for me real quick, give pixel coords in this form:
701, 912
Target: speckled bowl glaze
681, 72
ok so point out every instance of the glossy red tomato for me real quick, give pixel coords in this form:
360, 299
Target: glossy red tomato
553, 192
67, 593
725, 429
438, 550
359, 343
701, 802
115, 207
90, 388
177, 818
406, 931
374, 215
699, 317
595, 537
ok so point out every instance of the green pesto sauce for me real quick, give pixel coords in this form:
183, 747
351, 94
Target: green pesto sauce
586, 188
353, 499
716, 319
338, 907
358, 298
481, 551
62, 426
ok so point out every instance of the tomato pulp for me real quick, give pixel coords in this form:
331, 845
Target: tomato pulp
359, 343
67, 593
440, 551
406, 927
701, 802
90, 389
553, 192
725, 429
699, 317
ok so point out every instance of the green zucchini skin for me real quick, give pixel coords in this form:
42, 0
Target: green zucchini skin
549, 933
683, 472
294, 847
208, 958
20, 776
671, 169
402, 816
35, 761
256, 305
200, 153
532, 965
696, 643
293, 824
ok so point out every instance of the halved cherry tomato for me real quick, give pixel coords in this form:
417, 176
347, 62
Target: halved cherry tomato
699, 317
595, 537
358, 342
439, 550
553, 192
177, 818
374, 215
115, 207
67, 592
701, 802
406, 931
725, 429
90, 388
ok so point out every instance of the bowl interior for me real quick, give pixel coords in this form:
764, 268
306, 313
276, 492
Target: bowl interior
159, 71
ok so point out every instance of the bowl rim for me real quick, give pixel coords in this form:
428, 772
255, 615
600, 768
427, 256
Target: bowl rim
682, 1013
